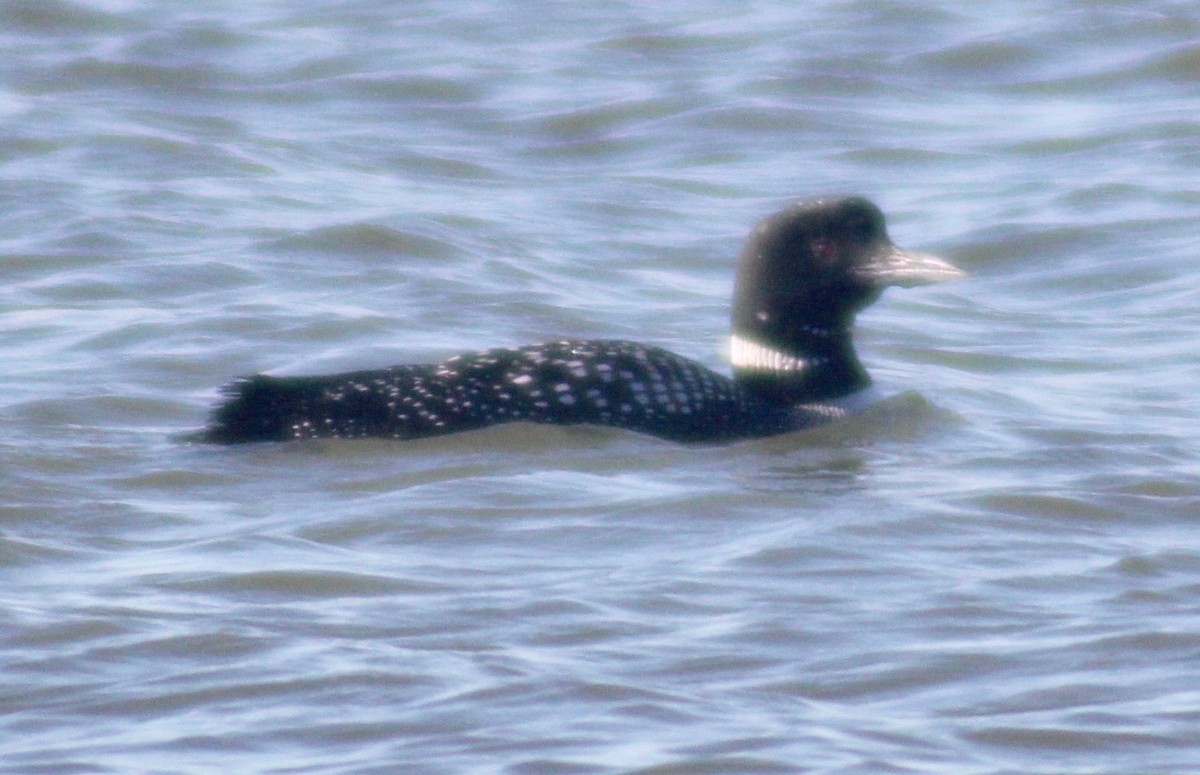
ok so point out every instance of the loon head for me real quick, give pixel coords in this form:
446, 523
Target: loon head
803, 275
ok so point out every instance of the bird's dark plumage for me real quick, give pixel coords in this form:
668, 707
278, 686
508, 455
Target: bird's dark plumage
802, 276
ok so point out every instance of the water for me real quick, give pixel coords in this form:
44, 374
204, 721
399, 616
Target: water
994, 571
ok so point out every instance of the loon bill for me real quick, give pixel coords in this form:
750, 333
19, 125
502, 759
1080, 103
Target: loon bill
802, 276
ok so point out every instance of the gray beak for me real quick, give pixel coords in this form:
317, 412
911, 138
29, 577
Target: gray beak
907, 268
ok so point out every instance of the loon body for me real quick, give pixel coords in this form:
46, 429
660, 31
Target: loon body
802, 276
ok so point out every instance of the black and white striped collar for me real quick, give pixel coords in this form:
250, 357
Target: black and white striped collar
747, 354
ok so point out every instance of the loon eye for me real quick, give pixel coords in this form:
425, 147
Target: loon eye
824, 249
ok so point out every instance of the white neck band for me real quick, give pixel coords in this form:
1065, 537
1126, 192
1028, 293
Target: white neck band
744, 354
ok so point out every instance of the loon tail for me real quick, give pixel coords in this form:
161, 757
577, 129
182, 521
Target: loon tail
257, 408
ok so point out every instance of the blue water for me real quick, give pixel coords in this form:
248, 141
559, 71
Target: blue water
993, 571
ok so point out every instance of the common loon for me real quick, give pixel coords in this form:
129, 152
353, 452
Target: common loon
802, 276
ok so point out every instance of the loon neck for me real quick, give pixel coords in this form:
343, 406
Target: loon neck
820, 364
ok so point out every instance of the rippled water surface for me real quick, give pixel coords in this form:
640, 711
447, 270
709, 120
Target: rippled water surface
997, 570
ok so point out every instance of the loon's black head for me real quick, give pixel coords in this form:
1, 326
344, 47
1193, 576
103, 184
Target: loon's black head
802, 276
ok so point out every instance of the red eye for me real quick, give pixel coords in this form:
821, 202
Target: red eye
824, 249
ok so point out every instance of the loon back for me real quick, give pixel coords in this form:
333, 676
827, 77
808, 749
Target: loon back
599, 382
803, 275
